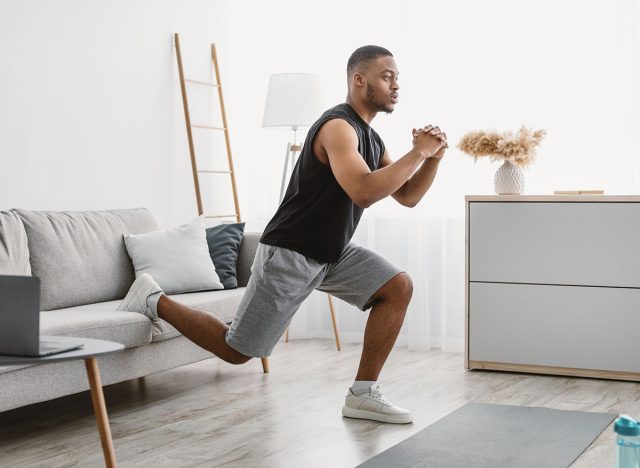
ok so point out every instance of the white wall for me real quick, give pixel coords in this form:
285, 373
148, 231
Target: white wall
91, 117
90, 107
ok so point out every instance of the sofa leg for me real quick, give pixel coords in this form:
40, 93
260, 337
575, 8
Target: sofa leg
265, 365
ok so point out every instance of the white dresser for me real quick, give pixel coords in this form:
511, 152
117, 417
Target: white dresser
553, 285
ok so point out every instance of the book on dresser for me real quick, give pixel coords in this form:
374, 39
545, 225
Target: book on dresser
553, 285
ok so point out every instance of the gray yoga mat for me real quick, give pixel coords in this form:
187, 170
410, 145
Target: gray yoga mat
496, 436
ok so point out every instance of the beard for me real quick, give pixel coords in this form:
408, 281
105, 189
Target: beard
375, 103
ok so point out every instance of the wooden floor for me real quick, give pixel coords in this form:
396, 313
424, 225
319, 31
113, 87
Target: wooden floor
215, 414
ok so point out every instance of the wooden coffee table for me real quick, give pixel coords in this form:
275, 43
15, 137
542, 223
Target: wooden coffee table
91, 348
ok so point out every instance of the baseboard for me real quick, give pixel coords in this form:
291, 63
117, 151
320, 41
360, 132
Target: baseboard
566, 371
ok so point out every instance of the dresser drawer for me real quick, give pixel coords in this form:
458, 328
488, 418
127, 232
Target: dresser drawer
592, 244
560, 326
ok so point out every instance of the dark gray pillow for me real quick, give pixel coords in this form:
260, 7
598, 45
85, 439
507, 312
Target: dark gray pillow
224, 244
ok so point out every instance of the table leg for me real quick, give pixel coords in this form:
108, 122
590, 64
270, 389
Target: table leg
100, 411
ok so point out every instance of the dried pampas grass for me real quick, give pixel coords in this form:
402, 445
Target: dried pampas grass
518, 148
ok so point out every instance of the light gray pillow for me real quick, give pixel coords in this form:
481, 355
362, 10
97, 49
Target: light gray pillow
177, 259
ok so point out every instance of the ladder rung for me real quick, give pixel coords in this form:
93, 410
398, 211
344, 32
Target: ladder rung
203, 83
221, 216
208, 126
216, 172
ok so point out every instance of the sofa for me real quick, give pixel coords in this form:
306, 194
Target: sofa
85, 271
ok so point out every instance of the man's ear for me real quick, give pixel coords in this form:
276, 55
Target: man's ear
359, 79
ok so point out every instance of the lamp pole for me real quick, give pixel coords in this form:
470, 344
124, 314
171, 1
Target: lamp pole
289, 162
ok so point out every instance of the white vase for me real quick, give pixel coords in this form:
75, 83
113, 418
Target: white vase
509, 179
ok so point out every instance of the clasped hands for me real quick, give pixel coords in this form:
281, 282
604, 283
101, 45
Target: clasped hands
430, 140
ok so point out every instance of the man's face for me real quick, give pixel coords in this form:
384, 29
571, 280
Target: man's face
382, 84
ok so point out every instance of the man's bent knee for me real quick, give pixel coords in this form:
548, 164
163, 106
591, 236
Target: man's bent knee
233, 356
405, 285
239, 359
400, 287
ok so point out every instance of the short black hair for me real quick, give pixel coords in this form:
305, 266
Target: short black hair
365, 54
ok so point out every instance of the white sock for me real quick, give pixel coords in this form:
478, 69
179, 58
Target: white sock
361, 386
152, 302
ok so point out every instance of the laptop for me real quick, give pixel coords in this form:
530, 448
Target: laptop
20, 320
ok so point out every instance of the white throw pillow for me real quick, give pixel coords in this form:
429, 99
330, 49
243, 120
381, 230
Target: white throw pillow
177, 259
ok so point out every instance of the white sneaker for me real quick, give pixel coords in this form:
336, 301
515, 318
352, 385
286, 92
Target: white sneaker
372, 405
136, 299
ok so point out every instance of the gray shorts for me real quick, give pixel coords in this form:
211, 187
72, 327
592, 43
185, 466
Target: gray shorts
281, 279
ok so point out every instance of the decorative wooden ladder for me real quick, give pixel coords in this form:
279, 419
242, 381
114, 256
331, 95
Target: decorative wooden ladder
192, 151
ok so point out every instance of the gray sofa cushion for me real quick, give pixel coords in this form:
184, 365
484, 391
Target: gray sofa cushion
223, 303
80, 257
129, 328
14, 250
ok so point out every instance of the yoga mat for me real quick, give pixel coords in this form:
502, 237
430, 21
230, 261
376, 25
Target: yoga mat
496, 436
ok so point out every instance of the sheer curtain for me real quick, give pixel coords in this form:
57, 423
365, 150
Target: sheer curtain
431, 251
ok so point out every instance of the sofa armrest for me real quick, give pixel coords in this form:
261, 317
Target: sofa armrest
246, 255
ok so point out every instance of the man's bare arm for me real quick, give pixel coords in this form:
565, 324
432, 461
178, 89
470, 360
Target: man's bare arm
412, 191
420, 182
363, 186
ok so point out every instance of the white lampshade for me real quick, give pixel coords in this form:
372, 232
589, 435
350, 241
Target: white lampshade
293, 100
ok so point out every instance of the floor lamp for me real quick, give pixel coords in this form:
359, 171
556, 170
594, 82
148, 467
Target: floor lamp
293, 101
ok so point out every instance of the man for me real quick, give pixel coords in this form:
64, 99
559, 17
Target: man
342, 169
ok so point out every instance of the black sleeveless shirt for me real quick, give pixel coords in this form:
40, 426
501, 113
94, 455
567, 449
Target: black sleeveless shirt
316, 217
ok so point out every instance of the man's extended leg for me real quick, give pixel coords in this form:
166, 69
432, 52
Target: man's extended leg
146, 297
383, 325
266, 308
204, 329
